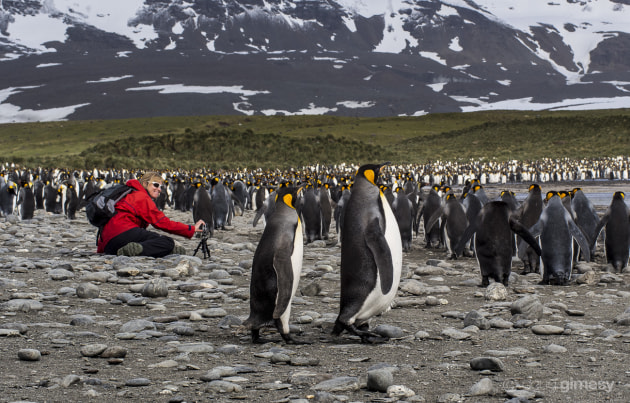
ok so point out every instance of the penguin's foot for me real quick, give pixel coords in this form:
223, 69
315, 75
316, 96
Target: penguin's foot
361, 331
289, 339
256, 339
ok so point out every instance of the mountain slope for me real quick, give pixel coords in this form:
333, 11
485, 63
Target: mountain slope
88, 59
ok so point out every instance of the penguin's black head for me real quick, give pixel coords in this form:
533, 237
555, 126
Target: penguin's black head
288, 195
534, 187
551, 194
371, 171
619, 196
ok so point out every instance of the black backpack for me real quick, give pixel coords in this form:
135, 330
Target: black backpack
100, 206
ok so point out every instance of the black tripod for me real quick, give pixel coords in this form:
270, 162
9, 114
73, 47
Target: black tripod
203, 244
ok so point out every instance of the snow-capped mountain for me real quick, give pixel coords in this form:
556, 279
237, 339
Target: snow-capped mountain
90, 59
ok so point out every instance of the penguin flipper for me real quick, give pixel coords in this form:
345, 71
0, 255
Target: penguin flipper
433, 219
534, 231
259, 214
581, 239
520, 230
376, 242
468, 233
284, 277
601, 224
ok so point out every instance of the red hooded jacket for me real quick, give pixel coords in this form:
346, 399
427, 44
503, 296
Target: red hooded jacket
137, 209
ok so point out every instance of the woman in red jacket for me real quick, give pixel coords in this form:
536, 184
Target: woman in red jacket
126, 234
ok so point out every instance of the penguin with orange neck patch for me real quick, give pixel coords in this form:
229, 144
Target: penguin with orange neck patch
371, 256
276, 268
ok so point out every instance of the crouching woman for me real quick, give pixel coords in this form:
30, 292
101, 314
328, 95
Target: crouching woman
126, 234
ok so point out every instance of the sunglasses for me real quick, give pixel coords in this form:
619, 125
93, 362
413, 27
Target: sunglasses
156, 185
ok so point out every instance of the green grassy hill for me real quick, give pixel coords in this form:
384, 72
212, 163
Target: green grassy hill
290, 141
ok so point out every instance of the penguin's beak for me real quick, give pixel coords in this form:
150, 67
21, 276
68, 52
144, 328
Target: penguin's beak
382, 165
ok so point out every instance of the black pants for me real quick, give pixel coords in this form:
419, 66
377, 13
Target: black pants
154, 245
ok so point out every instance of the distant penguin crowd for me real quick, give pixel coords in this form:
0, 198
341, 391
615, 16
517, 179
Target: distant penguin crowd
378, 210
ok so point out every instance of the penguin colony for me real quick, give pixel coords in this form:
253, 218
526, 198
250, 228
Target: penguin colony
377, 209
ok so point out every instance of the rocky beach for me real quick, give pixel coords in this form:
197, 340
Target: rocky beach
79, 326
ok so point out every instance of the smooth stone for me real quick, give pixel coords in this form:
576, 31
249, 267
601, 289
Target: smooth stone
496, 292
22, 305
392, 332
195, 348
60, 274
87, 291
155, 288
9, 333
304, 361
219, 386
82, 320
399, 391
455, 334
213, 313
136, 382
529, 307
93, 350
312, 289
379, 380
70, 380
547, 329
339, 384
305, 378
475, 318
29, 354
485, 386
137, 325
114, 352
489, 363
500, 323
554, 348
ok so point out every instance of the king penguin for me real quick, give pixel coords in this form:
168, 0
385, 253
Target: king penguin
617, 243
557, 230
529, 213
454, 222
493, 227
276, 268
371, 256
26, 201
585, 216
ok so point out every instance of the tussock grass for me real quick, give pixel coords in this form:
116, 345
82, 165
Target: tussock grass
231, 142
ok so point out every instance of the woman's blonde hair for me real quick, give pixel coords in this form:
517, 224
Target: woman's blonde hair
151, 176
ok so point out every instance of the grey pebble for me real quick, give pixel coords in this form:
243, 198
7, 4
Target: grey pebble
155, 288
87, 290
135, 382
390, 331
137, 325
528, 307
490, 363
339, 384
219, 386
547, 330
475, 318
379, 379
93, 350
29, 354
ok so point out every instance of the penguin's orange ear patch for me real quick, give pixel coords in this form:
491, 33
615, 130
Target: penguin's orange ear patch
370, 175
288, 199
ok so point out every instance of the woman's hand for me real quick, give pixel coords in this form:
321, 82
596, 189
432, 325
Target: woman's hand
199, 225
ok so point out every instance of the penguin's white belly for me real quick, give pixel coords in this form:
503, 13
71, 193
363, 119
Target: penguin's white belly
296, 265
377, 302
